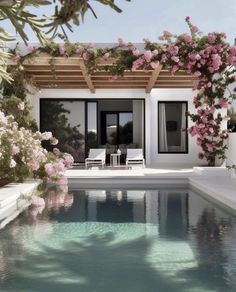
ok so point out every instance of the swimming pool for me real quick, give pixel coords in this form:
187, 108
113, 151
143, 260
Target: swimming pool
120, 240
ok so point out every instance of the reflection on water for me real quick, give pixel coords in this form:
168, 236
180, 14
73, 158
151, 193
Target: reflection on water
130, 240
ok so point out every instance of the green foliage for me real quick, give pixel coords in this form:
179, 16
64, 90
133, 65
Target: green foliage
232, 121
10, 106
17, 13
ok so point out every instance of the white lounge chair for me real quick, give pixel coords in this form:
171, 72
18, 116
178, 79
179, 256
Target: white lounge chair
96, 157
135, 156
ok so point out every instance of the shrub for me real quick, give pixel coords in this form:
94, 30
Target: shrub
22, 155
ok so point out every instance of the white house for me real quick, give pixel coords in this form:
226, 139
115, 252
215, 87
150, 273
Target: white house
142, 109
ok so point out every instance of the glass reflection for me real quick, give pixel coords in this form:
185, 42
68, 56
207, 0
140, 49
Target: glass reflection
179, 237
92, 125
125, 128
65, 119
111, 128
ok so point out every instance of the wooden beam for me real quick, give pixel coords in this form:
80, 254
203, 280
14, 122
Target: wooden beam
87, 77
153, 79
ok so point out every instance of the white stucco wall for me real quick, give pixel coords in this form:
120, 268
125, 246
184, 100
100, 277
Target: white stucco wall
189, 159
151, 119
231, 155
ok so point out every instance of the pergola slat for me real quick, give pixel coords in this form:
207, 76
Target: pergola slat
153, 79
87, 76
71, 72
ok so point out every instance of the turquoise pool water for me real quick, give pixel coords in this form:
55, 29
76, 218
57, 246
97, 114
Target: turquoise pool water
120, 241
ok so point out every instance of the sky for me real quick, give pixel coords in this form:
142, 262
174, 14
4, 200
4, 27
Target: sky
148, 18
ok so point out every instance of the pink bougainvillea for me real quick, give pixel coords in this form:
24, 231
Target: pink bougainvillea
209, 59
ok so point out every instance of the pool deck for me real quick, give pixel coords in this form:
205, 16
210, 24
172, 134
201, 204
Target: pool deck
214, 183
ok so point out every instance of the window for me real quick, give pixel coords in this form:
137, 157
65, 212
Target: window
172, 127
66, 120
116, 128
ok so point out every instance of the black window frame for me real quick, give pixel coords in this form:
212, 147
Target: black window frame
158, 127
103, 116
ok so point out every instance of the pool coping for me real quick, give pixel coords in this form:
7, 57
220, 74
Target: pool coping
14, 198
215, 183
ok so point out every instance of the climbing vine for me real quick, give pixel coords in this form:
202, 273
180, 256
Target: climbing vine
208, 58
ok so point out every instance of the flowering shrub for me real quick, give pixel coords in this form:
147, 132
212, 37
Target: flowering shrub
209, 59
22, 156
20, 109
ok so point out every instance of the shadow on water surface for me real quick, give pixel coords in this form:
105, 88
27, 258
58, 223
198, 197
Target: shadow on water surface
98, 264
60, 250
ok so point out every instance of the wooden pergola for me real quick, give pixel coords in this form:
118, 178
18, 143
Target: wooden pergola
71, 73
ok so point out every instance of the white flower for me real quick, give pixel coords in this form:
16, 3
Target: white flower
21, 106
12, 163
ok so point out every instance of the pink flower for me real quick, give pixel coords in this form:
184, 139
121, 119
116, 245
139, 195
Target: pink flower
200, 155
86, 56
167, 34
211, 38
68, 160
148, 56
187, 38
121, 42
210, 148
174, 69
154, 65
90, 45
175, 59
63, 181
223, 103
216, 62
201, 126
155, 52
197, 74
194, 29
136, 52
37, 201
113, 78
49, 169
56, 151
62, 49
17, 56
173, 50
31, 49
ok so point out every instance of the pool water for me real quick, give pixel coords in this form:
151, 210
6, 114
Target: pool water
120, 241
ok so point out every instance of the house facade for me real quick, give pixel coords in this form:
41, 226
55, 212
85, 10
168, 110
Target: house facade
121, 118
141, 109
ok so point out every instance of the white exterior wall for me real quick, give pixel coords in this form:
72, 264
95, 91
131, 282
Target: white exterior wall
188, 159
231, 155
151, 119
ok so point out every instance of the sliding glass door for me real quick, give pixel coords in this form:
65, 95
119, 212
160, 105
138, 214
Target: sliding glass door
83, 124
116, 128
